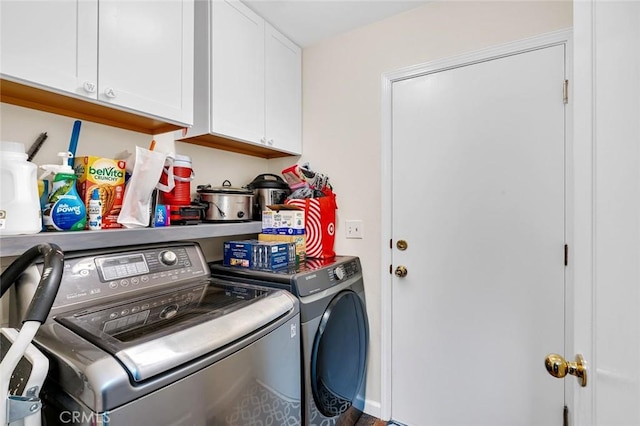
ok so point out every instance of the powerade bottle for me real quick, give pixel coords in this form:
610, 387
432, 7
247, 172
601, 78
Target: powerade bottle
65, 210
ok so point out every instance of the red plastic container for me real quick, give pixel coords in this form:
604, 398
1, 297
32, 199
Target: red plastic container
180, 195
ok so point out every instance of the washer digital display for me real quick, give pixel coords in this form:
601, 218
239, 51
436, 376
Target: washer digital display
122, 266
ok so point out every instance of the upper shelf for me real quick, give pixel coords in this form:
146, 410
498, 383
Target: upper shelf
26, 96
214, 141
84, 240
22, 95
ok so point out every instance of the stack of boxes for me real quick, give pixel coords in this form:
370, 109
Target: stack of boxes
280, 244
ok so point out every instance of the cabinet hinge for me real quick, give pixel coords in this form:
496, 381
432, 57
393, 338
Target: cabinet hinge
565, 416
565, 92
391, 269
566, 255
390, 243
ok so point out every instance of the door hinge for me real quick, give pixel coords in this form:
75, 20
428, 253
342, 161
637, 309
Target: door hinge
566, 254
565, 416
390, 243
565, 92
391, 269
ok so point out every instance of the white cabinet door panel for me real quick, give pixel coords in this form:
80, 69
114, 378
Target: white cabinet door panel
146, 57
238, 71
52, 44
283, 67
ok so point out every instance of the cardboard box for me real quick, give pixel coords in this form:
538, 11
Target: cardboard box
283, 220
108, 176
258, 254
162, 216
298, 240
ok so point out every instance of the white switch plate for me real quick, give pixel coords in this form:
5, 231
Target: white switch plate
354, 229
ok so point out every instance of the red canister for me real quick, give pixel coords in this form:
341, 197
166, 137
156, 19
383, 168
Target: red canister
183, 174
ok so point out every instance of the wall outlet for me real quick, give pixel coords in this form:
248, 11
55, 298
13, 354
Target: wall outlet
354, 229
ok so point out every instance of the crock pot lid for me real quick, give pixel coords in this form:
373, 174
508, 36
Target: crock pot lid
269, 181
224, 189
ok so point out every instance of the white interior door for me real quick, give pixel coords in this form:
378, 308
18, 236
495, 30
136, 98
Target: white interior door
478, 193
607, 210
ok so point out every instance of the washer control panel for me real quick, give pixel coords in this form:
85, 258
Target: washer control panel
103, 276
132, 264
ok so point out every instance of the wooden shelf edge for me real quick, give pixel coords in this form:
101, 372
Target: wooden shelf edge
219, 142
26, 96
15, 245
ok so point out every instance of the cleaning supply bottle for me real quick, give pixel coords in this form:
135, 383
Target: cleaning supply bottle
95, 211
65, 210
19, 204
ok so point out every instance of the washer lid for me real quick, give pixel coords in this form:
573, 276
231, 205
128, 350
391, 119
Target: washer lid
339, 354
174, 330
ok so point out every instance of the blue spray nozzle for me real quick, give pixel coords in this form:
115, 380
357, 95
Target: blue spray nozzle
95, 194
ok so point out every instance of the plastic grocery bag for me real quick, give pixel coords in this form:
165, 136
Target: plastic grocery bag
136, 206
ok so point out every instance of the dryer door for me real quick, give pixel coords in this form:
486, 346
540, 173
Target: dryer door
339, 356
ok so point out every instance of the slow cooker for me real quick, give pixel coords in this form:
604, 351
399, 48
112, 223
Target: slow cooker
225, 203
267, 189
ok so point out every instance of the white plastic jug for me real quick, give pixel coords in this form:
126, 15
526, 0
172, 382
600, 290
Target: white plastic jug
19, 202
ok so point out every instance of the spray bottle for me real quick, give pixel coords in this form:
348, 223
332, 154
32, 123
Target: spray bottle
65, 210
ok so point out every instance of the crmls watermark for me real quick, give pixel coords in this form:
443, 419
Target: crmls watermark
81, 417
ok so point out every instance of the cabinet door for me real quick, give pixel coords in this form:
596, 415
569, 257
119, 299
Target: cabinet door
237, 65
283, 81
50, 44
146, 57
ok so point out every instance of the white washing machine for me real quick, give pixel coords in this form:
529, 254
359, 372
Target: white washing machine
335, 330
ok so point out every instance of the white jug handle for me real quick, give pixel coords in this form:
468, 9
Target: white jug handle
170, 177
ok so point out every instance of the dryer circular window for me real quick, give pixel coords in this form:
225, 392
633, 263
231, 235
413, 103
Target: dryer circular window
339, 355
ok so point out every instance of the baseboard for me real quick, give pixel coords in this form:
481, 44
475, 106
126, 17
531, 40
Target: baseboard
372, 408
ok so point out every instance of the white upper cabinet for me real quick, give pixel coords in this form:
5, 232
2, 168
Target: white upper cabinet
51, 44
134, 56
248, 80
237, 61
283, 85
145, 56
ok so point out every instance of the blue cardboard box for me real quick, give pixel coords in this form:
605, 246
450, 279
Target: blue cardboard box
259, 254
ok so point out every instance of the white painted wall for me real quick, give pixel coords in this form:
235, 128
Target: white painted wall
211, 166
341, 118
342, 108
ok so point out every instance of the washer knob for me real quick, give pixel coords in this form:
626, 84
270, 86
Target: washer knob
168, 258
169, 312
340, 274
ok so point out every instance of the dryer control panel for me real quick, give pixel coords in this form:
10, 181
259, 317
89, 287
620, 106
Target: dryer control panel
344, 271
328, 276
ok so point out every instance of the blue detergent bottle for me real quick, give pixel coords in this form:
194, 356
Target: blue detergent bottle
65, 210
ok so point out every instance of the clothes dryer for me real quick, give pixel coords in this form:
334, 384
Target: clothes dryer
335, 330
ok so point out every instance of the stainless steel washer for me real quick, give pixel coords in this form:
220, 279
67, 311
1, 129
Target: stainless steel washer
145, 336
335, 330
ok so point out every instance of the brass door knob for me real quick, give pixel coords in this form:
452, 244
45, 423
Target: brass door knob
558, 367
401, 271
